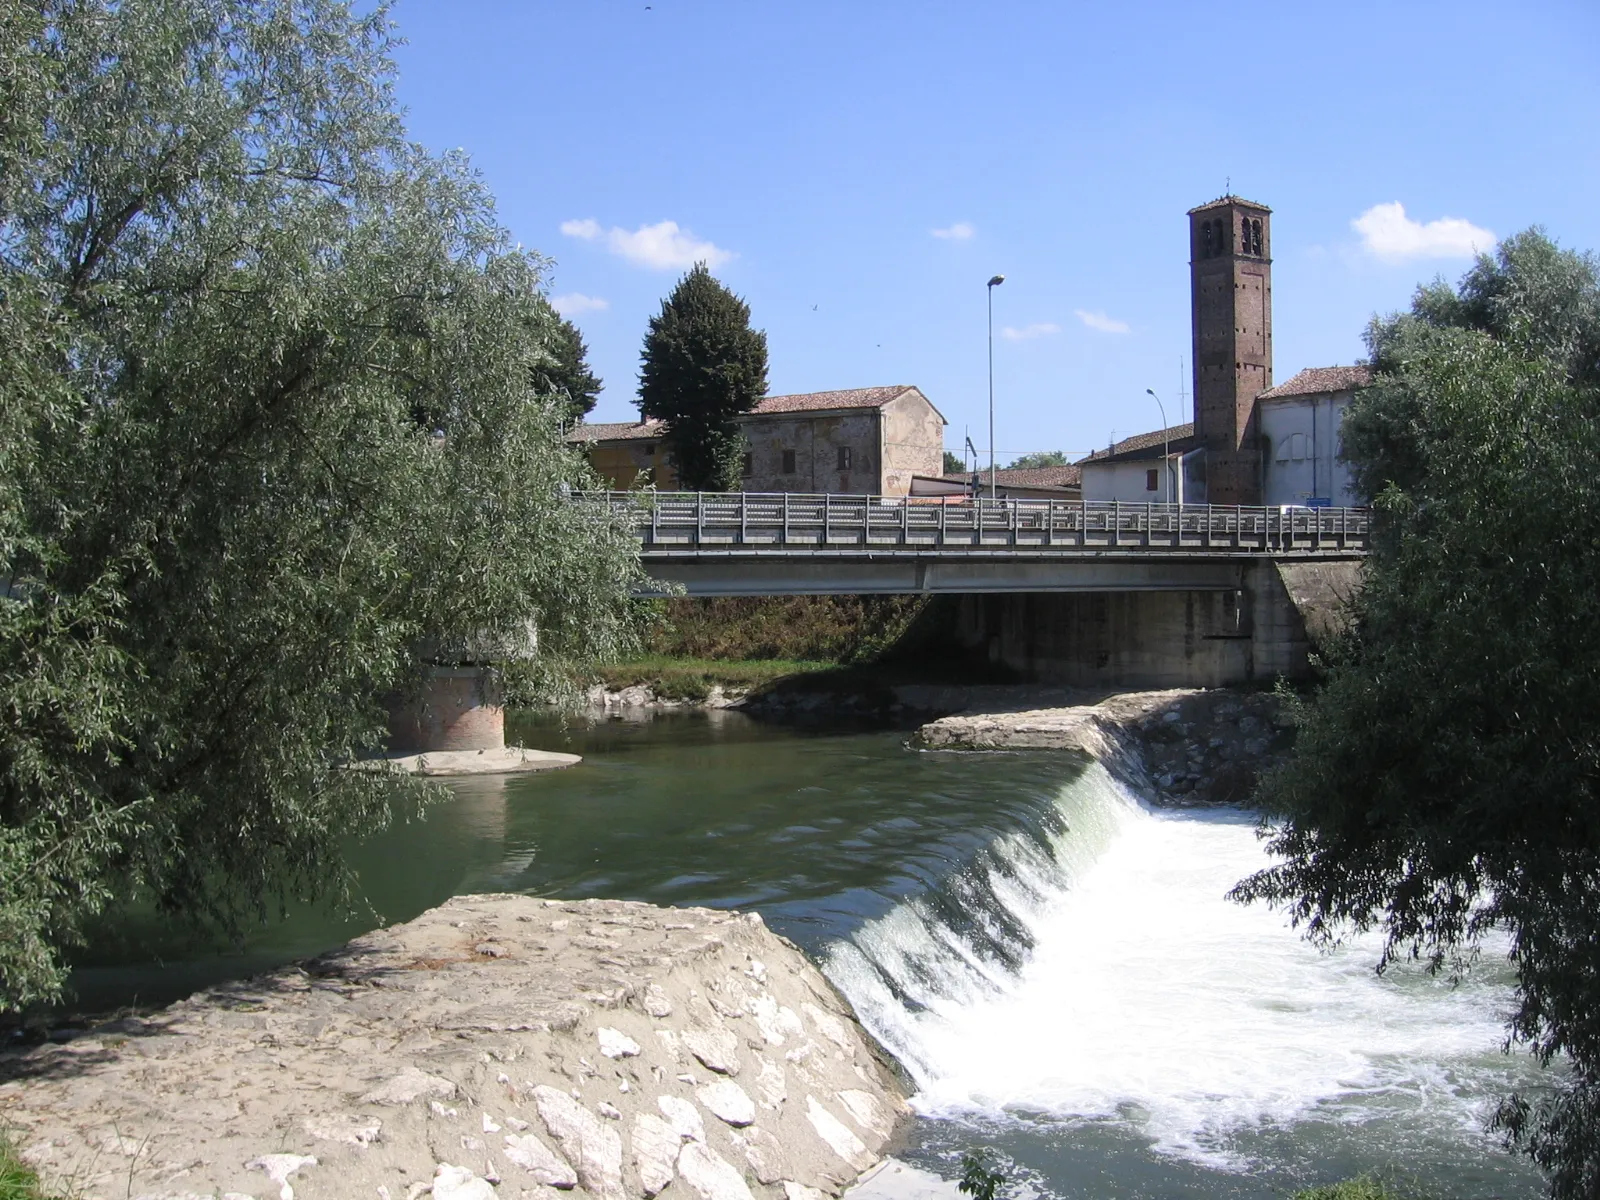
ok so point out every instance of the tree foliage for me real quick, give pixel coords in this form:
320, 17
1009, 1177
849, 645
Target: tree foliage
563, 372
1446, 778
703, 366
1039, 458
266, 423
953, 465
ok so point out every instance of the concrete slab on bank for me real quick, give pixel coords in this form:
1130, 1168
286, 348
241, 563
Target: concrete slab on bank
506, 760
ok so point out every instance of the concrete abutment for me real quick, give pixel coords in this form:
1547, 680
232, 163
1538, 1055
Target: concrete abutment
1265, 627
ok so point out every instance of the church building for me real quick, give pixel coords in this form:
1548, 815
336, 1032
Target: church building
1250, 442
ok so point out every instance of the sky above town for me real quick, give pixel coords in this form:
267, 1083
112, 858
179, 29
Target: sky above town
857, 171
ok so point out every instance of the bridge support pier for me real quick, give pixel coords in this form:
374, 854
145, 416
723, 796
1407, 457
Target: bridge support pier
458, 708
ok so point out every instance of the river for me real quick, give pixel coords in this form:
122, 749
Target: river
1053, 962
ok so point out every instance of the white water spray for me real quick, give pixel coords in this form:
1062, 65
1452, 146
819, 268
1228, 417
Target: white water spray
1135, 993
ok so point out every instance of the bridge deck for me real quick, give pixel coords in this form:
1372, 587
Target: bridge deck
672, 523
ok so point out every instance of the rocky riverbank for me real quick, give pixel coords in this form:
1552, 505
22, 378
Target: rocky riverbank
1186, 747
496, 1046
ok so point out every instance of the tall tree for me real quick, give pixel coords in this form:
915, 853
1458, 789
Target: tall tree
953, 464
1039, 458
1446, 779
238, 309
563, 372
703, 366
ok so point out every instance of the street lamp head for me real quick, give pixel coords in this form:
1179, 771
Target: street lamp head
1150, 392
997, 281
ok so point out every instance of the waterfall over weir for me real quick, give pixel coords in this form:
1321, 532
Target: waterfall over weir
1091, 971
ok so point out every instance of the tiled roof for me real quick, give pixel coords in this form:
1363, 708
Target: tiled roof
618, 431
1224, 201
873, 397
1062, 477
1177, 438
1315, 381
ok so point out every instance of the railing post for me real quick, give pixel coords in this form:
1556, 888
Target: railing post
744, 503
783, 534
655, 520
944, 508
827, 519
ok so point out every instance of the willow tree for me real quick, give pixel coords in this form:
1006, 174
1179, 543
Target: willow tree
1446, 780
269, 421
703, 367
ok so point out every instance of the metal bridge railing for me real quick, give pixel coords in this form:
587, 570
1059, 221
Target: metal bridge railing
789, 521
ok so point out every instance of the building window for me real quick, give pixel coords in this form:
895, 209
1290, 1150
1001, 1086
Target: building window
649, 449
844, 458
1255, 238
1208, 238
1150, 478
788, 462
748, 468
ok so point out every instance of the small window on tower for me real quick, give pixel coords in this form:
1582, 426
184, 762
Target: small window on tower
748, 468
1255, 237
1208, 238
788, 462
1150, 478
844, 458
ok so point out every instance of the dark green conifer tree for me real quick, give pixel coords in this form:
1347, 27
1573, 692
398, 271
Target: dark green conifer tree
703, 366
564, 372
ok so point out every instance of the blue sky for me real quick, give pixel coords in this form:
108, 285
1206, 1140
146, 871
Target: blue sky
858, 170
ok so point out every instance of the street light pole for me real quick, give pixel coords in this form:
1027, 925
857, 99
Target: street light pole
1166, 445
993, 283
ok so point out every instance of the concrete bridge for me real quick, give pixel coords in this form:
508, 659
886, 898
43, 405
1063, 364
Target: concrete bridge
737, 544
1090, 594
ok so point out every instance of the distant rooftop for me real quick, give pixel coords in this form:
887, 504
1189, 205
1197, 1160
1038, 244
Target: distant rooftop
1062, 477
1177, 438
618, 431
1315, 381
873, 397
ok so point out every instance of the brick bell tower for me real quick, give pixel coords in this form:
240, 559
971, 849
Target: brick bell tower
1230, 271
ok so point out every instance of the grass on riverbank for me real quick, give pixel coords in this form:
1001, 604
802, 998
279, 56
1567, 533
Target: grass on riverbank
17, 1180
693, 678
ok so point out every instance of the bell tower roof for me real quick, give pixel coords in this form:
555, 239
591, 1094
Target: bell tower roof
1227, 201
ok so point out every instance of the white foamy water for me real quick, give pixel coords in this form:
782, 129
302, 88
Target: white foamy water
1149, 1000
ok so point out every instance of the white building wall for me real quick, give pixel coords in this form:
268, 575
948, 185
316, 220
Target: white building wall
1300, 436
1129, 482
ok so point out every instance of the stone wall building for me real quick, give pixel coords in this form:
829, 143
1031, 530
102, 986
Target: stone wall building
862, 441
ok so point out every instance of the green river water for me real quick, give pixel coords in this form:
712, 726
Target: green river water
1053, 963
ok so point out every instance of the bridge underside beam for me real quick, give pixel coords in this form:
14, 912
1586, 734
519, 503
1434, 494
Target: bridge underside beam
819, 575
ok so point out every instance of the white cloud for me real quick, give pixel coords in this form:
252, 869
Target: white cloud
1029, 332
1101, 323
573, 303
1388, 233
958, 232
663, 246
